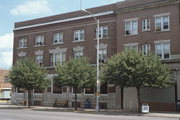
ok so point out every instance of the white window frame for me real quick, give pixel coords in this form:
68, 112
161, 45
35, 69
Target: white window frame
58, 38
78, 54
130, 22
130, 46
161, 16
23, 43
77, 34
61, 60
39, 40
102, 34
146, 48
39, 59
161, 43
145, 25
102, 55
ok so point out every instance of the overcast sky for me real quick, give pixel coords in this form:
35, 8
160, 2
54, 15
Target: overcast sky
12, 11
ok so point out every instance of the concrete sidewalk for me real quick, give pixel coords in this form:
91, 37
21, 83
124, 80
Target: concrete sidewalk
92, 111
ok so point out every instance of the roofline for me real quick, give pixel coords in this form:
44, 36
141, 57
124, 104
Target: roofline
64, 20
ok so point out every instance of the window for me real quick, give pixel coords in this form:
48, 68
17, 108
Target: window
131, 27
103, 32
145, 24
103, 89
162, 23
78, 54
89, 90
39, 59
39, 40
146, 49
57, 58
162, 49
102, 55
6, 79
58, 38
57, 89
79, 35
23, 43
131, 46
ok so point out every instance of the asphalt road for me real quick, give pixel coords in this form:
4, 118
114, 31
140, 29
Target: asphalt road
24, 114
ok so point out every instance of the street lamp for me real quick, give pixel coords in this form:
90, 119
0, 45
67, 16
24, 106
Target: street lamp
97, 61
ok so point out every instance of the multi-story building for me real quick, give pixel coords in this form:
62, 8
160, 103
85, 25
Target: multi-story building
5, 86
143, 25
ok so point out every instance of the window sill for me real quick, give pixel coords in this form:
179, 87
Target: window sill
78, 41
39, 45
146, 31
57, 43
131, 35
102, 38
22, 48
163, 31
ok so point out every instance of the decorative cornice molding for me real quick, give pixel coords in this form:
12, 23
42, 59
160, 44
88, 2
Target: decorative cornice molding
78, 48
58, 50
22, 54
39, 52
102, 46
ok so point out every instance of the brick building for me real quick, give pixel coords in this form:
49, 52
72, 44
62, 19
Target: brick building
144, 25
5, 86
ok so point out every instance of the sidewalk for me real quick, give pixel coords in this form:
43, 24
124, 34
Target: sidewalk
92, 111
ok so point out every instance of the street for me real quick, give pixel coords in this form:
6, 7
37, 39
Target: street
25, 114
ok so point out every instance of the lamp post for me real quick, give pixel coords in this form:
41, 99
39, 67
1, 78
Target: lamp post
97, 61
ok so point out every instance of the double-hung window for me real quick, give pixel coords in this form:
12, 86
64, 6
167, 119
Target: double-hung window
39, 59
145, 24
23, 43
103, 32
146, 49
131, 46
58, 38
162, 23
39, 40
78, 54
79, 35
102, 55
162, 49
57, 58
131, 27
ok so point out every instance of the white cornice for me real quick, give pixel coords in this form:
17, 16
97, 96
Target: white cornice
102, 46
78, 48
64, 20
22, 54
58, 50
39, 52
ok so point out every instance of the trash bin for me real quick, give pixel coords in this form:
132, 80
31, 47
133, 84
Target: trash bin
145, 108
87, 104
178, 105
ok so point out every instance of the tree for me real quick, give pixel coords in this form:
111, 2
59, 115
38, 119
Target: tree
134, 69
76, 73
28, 75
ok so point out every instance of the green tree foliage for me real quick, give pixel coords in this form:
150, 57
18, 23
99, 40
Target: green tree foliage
28, 75
134, 69
76, 73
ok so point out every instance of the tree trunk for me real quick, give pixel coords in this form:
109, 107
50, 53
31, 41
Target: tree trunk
29, 98
122, 98
138, 96
75, 103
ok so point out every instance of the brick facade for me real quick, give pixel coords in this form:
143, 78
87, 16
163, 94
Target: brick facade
114, 17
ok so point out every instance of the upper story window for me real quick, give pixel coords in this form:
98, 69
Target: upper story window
131, 27
146, 49
145, 24
79, 35
58, 38
102, 55
78, 54
57, 58
131, 46
162, 49
23, 43
162, 22
39, 59
103, 32
39, 40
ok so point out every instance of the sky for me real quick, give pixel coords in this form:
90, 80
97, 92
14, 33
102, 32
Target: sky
12, 11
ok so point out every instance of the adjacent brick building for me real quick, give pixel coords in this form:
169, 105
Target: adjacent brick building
144, 25
5, 86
